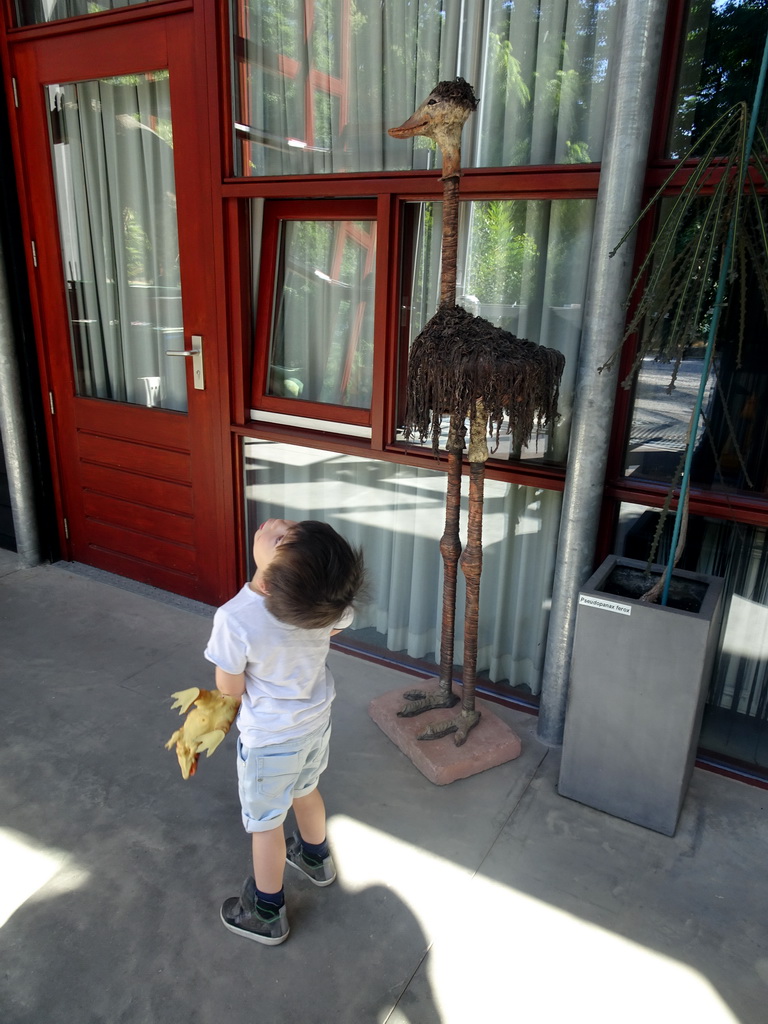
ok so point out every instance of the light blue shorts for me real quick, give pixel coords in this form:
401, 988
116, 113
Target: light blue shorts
268, 778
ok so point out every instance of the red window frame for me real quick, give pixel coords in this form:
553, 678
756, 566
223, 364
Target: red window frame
276, 212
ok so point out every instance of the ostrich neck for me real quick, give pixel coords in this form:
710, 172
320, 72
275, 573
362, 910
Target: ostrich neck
450, 241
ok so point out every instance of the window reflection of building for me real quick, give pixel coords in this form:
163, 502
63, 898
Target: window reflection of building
290, 62
317, 84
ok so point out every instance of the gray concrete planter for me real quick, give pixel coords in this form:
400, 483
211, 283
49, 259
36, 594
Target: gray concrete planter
639, 677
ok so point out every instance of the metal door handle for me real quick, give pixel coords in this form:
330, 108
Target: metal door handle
196, 355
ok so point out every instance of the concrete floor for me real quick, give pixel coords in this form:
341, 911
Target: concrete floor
492, 899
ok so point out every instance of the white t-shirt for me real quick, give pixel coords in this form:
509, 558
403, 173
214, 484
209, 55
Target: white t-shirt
288, 685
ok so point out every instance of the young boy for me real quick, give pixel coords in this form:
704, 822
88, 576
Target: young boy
269, 645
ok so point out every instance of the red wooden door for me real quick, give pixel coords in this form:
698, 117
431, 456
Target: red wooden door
118, 189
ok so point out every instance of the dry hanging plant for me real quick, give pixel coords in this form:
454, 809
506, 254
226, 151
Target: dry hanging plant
715, 233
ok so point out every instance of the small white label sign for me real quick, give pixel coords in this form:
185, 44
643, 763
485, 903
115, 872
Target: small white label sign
606, 606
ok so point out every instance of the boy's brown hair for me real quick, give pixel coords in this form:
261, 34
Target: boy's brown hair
315, 575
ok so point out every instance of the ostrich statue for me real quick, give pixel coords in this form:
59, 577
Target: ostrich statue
467, 368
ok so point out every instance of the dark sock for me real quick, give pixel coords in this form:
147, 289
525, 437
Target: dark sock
314, 853
269, 903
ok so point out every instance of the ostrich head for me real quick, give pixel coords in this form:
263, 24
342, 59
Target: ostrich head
441, 117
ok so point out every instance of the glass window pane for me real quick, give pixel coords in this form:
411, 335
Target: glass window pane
112, 147
719, 67
731, 436
731, 443
316, 86
322, 338
522, 265
396, 514
36, 12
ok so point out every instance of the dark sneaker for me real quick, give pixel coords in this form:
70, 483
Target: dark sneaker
321, 874
241, 915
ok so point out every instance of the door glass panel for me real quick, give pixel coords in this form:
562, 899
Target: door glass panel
112, 149
36, 12
322, 337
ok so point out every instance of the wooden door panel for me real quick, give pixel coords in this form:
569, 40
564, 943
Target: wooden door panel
117, 420
138, 518
112, 545
135, 505
135, 494
134, 456
164, 495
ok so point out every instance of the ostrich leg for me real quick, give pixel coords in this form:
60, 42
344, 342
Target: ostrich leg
450, 549
450, 545
471, 566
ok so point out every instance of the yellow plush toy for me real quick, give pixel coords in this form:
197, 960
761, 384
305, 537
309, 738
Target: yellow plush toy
206, 725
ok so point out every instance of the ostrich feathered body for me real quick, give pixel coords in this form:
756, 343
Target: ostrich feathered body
459, 360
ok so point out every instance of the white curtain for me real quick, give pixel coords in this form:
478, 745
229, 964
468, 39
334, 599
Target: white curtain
396, 514
116, 197
739, 554
322, 344
318, 85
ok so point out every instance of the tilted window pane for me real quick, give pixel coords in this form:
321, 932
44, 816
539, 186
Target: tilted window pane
316, 86
36, 12
322, 337
112, 145
522, 265
719, 67
396, 515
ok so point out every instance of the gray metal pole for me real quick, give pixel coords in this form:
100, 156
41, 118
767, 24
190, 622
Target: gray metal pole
18, 460
619, 198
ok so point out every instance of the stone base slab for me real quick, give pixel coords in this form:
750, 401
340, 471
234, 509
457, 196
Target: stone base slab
489, 744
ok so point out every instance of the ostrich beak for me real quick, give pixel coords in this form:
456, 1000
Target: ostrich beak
413, 126
448, 138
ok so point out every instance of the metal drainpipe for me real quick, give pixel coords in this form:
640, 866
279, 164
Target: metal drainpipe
18, 459
619, 196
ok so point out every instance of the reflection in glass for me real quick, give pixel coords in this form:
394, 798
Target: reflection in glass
719, 66
113, 166
731, 444
36, 12
317, 85
731, 439
523, 266
736, 716
396, 514
322, 338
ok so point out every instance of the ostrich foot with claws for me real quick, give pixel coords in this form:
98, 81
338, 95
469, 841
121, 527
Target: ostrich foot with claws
461, 725
419, 701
